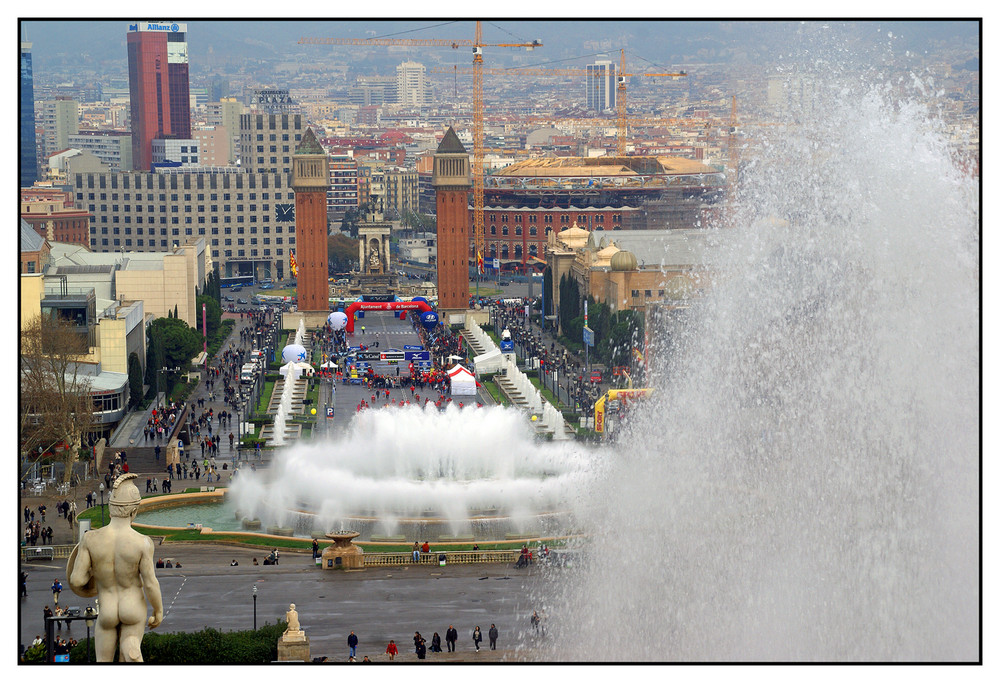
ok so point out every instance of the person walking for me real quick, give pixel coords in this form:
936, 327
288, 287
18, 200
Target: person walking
392, 650
493, 636
477, 638
352, 642
450, 637
24, 584
421, 649
56, 590
315, 548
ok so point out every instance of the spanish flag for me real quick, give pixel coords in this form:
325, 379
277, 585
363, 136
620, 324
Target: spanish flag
291, 264
479, 261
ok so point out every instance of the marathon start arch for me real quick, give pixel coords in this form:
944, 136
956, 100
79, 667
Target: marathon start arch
383, 306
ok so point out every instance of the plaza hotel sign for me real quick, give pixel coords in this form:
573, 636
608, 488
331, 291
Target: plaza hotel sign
153, 26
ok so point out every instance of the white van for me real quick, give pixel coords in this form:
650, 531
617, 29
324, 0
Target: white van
247, 373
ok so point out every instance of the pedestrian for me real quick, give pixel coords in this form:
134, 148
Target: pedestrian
450, 637
493, 636
315, 548
435, 642
156, 452
416, 640
477, 637
416, 552
56, 590
24, 584
392, 650
421, 649
352, 642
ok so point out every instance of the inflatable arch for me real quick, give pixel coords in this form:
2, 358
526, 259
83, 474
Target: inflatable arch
383, 306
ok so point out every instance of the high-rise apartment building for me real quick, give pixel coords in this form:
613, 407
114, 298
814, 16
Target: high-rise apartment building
158, 86
343, 192
113, 147
58, 119
411, 84
226, 113
29, 152
601, 85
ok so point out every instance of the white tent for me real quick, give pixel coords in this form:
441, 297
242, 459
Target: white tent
463, 383
491, 361
304, 369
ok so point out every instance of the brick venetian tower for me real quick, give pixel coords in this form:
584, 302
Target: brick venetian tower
310, 180
452, 181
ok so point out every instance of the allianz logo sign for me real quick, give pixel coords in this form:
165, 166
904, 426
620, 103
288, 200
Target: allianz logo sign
173, 28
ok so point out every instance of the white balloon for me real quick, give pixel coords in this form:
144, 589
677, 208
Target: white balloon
337, 320
294, 353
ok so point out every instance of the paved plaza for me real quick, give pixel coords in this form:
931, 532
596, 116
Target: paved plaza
376, 603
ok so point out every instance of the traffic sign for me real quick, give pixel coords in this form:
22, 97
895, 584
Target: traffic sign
588, 336
329, 411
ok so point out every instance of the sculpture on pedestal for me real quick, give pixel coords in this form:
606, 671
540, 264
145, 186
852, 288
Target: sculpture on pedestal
115, 563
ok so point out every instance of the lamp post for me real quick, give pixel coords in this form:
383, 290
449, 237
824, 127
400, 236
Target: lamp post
89, 617
101, 489
255, 607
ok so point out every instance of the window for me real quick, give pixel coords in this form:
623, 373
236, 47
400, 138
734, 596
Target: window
517, 229
564, 218
533, 231
548, 218
503, 230
493, 229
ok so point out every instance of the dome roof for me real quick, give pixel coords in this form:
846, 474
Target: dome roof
624, 260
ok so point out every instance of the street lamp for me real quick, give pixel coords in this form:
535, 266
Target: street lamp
89, 617
255, 607
101, 489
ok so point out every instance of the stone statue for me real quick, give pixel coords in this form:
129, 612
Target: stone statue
292, 617
115, 563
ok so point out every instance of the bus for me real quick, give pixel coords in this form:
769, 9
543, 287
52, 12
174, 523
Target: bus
236, 281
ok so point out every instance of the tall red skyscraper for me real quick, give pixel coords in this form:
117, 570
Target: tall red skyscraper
158, 86
310, 180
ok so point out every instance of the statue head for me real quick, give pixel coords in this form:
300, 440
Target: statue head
125, 497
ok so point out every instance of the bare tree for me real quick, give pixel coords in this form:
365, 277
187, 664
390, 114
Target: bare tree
56, 407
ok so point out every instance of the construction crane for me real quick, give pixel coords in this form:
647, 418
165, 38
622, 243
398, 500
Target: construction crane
477, 46
529, 71
621, 99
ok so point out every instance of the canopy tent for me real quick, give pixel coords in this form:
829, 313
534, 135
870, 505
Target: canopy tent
463, 383
491, 361
328, 364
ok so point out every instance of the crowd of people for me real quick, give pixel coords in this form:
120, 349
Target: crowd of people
420, 645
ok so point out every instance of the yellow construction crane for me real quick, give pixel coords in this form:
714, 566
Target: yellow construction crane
621, 100
530, 71
477, 46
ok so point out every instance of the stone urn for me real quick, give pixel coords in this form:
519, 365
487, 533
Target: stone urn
343, 554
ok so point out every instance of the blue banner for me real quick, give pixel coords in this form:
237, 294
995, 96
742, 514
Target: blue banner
412, 347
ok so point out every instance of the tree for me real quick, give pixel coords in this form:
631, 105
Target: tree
342, 252
56, 407
173, 344
134, 380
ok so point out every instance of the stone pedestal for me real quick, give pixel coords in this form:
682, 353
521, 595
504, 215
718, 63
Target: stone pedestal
293, 646
343, 554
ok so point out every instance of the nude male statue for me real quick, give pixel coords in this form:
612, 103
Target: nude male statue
116, 564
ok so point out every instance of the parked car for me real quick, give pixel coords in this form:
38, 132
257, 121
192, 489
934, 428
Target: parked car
241, 300
229, 298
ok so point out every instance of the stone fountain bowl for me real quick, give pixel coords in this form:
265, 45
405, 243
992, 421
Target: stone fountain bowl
342, 537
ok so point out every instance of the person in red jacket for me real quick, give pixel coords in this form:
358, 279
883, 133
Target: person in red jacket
426, 548
392, 650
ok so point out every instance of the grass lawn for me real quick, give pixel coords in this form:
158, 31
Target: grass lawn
265, 396
194, 536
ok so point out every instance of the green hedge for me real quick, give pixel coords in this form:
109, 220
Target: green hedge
209, 646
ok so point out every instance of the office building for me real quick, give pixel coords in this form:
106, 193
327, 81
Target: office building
176, 151
214, 145
158, 86
601, 85
28, 162
226, 113
343, 192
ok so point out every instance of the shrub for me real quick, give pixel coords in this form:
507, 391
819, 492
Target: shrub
209, 646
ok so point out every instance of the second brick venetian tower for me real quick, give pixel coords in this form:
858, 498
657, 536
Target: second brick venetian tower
452, 181
310, 180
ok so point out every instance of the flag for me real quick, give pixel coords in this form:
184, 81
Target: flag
479, 261
291, 264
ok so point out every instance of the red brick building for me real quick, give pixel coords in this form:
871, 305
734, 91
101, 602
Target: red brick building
50, 212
